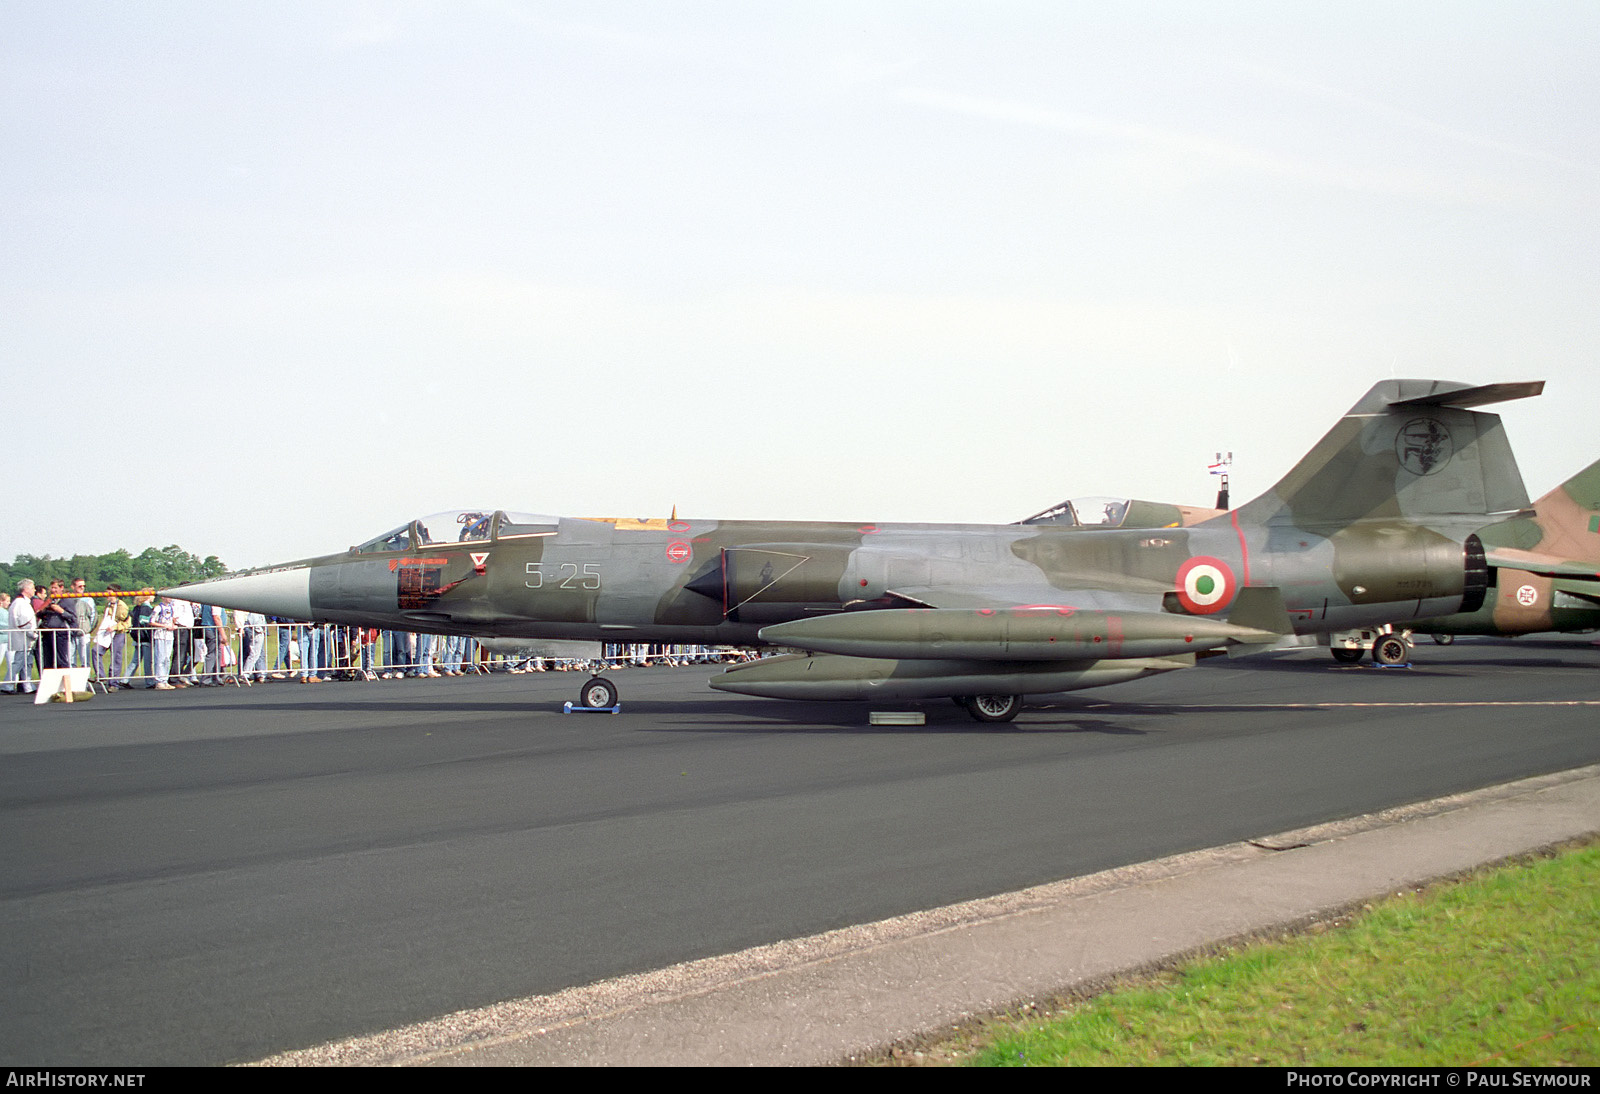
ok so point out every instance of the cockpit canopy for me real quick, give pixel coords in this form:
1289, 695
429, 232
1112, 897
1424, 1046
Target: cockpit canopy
1092, 512
460, 526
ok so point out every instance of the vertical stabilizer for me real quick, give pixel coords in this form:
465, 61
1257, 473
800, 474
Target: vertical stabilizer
1408, 450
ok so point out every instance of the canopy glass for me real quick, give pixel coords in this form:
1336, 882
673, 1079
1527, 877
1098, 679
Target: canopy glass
460, 526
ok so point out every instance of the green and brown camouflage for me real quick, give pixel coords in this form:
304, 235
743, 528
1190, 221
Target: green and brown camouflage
1376, 524
1545, 567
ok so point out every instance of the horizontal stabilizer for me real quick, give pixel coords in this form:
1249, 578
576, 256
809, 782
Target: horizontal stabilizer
1588, 591
1467, 397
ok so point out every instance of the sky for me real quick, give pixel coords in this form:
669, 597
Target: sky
276, 277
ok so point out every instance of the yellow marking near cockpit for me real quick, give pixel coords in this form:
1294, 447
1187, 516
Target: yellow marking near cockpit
632, 524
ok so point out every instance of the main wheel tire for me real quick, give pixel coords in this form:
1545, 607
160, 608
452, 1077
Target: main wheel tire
597, 694
994, 708
1443, 639
1347, 656
1389, 650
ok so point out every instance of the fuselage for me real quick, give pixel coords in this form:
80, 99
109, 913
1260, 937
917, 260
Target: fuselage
707, 581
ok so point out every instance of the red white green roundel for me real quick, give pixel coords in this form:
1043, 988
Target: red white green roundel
1205, 585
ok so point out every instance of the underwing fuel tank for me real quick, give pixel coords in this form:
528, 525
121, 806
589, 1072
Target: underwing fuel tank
835, 677
1048, 634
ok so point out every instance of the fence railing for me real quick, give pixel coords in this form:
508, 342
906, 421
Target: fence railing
156, 657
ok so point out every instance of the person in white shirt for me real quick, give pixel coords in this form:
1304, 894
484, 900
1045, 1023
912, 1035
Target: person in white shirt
183, 644
253, 645
163, 628
24, 630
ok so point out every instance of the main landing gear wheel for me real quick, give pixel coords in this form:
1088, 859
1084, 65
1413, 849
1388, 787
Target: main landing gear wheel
1346, 656
994, 708
1443, 639
598, 693
1389, 650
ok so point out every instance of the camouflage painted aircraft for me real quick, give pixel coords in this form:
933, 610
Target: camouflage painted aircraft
1545, 567
1374, 525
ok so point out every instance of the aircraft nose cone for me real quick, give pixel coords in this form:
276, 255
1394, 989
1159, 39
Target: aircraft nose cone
285, 592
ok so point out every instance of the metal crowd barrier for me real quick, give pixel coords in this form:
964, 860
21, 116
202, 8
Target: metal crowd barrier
303, 651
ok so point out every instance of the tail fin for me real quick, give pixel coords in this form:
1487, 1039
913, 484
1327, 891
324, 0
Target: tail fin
1408, 450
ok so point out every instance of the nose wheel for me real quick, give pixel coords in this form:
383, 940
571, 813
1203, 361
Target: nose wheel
597, 693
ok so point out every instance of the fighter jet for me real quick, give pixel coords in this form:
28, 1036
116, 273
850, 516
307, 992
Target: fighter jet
1374, 525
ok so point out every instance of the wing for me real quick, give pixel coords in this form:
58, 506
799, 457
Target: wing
1533, 562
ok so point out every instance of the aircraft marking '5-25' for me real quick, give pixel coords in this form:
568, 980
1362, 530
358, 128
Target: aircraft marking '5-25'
1376, 525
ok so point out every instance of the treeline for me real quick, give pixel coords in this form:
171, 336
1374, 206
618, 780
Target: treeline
152, 568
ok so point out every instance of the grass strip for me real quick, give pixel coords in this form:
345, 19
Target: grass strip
1501, 968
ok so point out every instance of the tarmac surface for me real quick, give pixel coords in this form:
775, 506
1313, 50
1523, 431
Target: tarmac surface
222, 875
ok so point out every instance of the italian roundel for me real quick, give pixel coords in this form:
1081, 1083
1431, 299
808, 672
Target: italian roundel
1205, 585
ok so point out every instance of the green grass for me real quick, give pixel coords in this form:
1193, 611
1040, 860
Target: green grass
1500, 969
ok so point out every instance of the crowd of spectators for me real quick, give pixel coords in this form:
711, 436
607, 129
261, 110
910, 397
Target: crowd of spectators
159, 642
